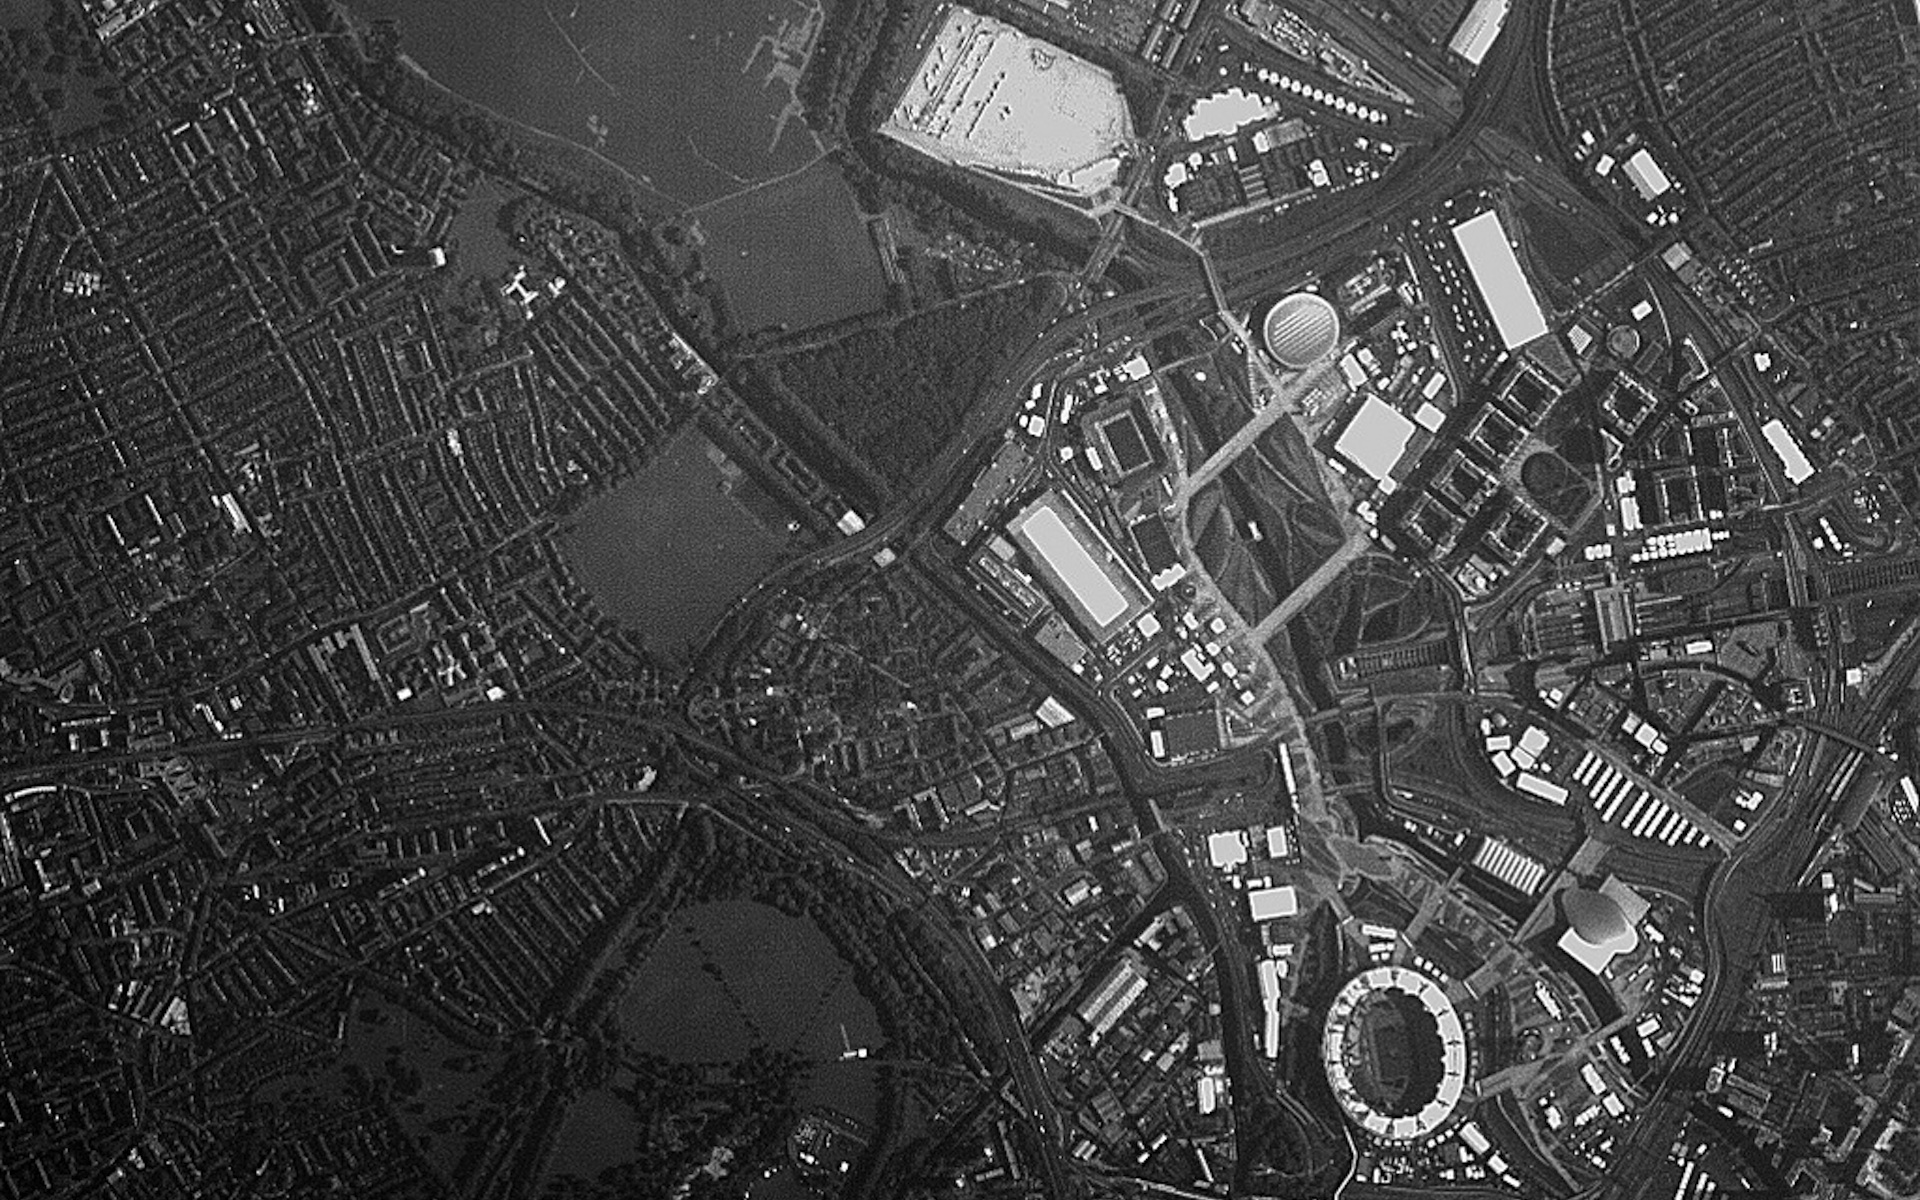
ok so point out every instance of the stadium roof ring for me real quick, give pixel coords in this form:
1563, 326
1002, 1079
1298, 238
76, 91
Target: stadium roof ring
1301, 329
1398, 1080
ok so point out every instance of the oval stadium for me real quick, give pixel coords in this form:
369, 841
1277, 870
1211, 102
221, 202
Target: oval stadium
1300, 330
1395, 1053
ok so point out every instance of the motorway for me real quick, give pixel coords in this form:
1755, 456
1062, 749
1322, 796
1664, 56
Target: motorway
913, 527
1310, 238
1736, 918
1320, 233
940, 486
1734, 914
1314, 237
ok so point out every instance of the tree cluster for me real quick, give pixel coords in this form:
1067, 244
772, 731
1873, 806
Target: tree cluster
896, 394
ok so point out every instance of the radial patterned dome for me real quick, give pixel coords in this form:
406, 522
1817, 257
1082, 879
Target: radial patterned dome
1301, 329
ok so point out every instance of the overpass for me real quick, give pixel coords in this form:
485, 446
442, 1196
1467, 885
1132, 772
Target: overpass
1351, 551
1287, 394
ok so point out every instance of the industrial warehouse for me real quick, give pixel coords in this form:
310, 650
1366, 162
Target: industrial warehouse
993, 99
1079, 566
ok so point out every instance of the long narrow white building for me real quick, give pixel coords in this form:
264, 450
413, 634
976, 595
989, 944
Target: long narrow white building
1503, 285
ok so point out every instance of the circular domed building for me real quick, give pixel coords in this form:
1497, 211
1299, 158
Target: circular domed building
1395, 1053
1300, 330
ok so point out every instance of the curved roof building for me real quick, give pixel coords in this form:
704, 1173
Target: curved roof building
1300, 330
1395, 1053
1596, 918
1602, 925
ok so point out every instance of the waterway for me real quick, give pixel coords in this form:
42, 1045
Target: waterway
695, 99
666, 552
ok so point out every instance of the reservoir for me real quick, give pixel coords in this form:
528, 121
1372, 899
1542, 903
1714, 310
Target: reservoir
667, 551
725, 980
693, 100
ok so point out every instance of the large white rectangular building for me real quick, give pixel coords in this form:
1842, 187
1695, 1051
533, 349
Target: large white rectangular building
1078, 565
1792, 458
1646, 176
1478, 29
1503, 285
1376, 439
990, 97
1265, 904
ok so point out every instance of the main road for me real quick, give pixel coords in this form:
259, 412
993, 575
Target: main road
1312, 237
1735, 915
1353, 218
937, 491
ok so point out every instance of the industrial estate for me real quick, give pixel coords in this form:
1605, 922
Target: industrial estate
1191, 598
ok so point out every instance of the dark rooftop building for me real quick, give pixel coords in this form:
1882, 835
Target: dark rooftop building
1192, 733
1155, 543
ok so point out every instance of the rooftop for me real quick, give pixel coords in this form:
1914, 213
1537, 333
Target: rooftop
1478, 29
990, 97
1376, 438
1077, 564
1503, 285
1227, 849
1300, 330
1345, 1049
1265, 904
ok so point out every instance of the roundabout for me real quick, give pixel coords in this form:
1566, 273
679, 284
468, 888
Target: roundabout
1395, 1053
